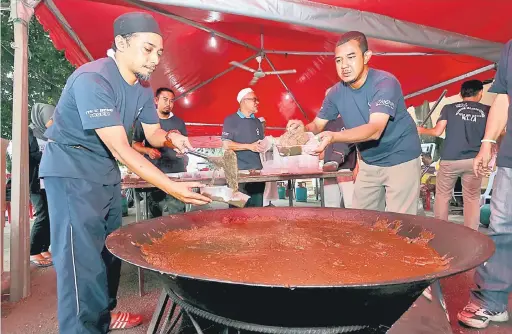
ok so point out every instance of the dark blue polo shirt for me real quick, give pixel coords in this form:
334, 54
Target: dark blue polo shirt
243, 130
95, 96
380, 93
503, 85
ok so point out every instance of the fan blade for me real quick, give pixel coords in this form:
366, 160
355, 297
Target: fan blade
282, 72
242, 66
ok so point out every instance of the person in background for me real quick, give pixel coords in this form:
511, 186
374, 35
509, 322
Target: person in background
270, 193
372, 106
339, 191
489, 300
164, 158
89, 135
243, 133
465, 127
41, 118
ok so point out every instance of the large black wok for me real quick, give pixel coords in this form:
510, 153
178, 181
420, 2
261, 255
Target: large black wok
315, 306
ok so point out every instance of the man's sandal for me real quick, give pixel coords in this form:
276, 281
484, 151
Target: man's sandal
124, 320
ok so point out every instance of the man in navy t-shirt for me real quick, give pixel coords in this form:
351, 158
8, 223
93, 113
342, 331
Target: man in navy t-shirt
465, 126
242, 132
96, 110
493, 279
164, 158
372, 106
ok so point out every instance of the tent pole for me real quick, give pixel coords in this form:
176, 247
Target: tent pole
450, 81
3, 150
21, 13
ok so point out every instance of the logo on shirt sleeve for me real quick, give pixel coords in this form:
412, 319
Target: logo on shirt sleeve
94, 113
385, 103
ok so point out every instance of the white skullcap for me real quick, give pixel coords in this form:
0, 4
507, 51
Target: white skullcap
242, 93
262, 119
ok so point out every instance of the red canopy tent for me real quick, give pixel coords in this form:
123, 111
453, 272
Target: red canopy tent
423, 43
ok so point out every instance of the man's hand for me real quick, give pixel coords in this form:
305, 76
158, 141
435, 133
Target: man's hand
294, 125
481, 161
257, 147
153, 153
420, 129
182, 191
325, 138
178, 142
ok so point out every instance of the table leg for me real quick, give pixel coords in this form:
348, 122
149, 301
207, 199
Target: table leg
138, 212
322, 192
290, 193
438, 293
140, 272
146, 205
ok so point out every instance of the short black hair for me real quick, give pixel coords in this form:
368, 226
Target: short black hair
164, 89
354, 36
125, 36
471, 88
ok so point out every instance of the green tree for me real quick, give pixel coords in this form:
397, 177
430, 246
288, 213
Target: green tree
48, 69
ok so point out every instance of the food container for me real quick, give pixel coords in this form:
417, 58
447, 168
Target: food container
225, 195
293, 150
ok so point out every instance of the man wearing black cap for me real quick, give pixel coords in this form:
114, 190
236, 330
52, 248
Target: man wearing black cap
97, 108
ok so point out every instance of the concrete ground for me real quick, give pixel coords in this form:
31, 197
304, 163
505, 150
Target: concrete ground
37, 313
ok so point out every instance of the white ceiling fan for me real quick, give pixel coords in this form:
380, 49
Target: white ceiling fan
259, 73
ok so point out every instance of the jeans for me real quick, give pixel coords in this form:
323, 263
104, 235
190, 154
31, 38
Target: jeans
494, 277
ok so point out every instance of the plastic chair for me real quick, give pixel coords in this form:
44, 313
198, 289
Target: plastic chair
485, 198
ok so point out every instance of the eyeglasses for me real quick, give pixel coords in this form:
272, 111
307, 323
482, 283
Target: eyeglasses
253, 99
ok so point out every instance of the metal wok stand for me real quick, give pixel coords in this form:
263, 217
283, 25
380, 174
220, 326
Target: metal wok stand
179, 309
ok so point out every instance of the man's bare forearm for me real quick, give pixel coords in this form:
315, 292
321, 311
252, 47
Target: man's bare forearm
157, 138
313, 127
142, 167
234, 146
139, 147
498, 116
358, 134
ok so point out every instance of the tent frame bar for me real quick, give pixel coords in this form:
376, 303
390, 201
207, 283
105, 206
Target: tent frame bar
450, 81
221, 125
216, 76
192, 24
64, 23
327, 53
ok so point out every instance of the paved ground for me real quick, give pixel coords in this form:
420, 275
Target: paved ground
37, 313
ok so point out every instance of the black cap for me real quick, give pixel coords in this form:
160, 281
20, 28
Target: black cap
135, 22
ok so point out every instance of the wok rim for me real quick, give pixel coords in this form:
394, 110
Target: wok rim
487, 245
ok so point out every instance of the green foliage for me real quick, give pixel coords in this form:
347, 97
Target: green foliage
48, 70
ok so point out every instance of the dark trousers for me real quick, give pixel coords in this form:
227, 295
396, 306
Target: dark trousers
40, 234
82, 215
159, 200
255, 190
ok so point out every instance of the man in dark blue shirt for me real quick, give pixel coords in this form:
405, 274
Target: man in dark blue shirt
96, 110
489, 300
242, 132
465, 126
163, 158
372, 106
